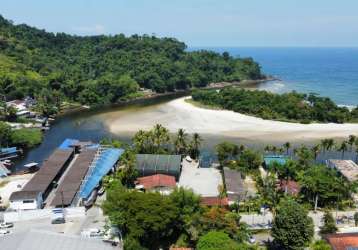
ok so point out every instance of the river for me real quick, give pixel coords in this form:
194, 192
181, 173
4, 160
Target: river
97, 124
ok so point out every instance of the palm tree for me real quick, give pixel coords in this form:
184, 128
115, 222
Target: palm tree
195, 145
139, 141
274, 149
316, 149
324, 145
180, 142
287, 146
160, 136
267, 148
343, 148
330, 144
281, 150
351, 141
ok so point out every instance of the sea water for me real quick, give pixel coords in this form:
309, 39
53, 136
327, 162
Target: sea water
331, 72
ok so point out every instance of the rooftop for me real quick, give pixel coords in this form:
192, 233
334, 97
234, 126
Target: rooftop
44, 240
214, 201
149, 164
203, 181
234, 184
344, 241
158, 180
293, 187
346, 167
280, 159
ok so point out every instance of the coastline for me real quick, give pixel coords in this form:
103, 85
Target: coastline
180, 114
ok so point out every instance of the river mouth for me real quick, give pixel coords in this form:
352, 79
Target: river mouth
121, 122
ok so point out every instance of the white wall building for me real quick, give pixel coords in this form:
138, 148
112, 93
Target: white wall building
26, 200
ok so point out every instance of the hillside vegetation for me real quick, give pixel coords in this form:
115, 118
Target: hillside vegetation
290, 106
103, 69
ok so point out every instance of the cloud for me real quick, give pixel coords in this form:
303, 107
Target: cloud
95, 29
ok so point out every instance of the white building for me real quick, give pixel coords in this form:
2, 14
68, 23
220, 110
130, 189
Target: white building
203, 181
25, 200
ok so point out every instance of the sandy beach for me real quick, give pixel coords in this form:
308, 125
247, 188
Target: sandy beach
180, 114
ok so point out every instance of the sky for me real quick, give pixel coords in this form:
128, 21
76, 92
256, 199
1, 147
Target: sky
199, 23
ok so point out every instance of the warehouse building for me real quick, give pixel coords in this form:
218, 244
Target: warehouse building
148, 164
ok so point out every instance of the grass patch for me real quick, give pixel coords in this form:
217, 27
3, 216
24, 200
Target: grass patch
200, 105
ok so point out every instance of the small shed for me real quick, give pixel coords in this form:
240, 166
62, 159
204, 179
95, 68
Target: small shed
25, 200
151, 164
278, 159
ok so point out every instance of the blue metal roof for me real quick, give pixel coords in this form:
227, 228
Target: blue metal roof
8, 150
104, 164
280, 159
67, 143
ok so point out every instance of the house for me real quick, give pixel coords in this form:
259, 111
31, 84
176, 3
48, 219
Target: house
234, 185
151, 164
25, 200
346, 168
271, 159
214, 201
159, 183
289, 187
343, 241
205, 182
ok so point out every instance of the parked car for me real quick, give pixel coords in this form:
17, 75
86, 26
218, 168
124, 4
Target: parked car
6, 225
252, 240
92, 233
59, 220
4, 231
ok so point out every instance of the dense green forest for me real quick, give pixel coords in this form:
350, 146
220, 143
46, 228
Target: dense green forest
103, 69
290, 106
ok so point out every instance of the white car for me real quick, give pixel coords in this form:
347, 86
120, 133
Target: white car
6, 225
4, 231
252, 240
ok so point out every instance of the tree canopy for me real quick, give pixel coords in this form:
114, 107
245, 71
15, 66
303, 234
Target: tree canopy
104, 69
289, 106
292, 228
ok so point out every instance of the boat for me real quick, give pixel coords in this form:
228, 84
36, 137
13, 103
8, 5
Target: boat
8, 153
31, 167
91, 199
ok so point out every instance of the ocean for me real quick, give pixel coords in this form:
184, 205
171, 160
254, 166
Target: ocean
331, 72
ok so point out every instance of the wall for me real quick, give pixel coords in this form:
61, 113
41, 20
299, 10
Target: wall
23, 215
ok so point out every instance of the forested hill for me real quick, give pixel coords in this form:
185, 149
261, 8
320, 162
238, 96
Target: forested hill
103, 69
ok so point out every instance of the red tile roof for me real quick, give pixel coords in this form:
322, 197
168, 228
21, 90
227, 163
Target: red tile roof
293, 187
214, 201
342, 241
158, 180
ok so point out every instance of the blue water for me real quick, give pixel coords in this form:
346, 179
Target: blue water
331, 72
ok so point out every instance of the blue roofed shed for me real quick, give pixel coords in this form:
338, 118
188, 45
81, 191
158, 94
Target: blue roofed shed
279, 159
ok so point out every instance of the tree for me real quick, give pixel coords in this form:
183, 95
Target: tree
329, 224
5, 133
216, 241
195, 146
292, 227
148, 217
287, 146
225, 151
316, 149
351, 141
356, 218
189, 207
323, 186
180, 142
26, 137
305, 156
343, 148
320, 245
